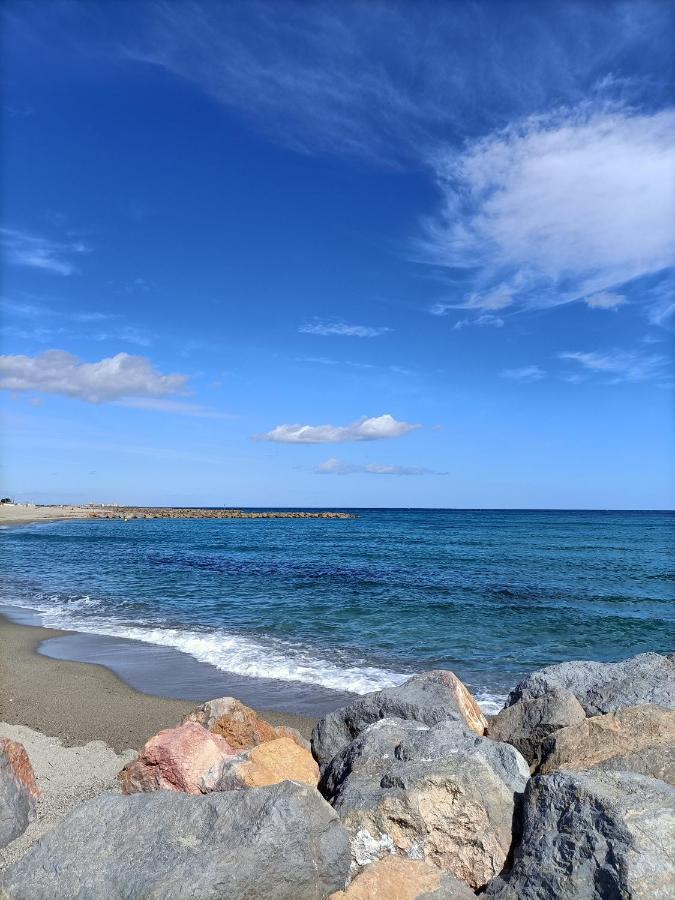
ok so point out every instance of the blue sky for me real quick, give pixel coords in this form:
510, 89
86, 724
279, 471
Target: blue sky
339, 254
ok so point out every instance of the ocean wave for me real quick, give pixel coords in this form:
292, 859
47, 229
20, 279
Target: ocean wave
228, 652
224, 650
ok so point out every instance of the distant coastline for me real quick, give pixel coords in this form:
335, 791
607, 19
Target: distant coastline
27, 513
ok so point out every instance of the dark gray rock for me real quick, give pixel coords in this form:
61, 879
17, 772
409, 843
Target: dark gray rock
605, 687
282, 842
442, 794
428, 698
17, 803
593, 836
528, 723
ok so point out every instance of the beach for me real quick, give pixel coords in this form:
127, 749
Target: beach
81, 702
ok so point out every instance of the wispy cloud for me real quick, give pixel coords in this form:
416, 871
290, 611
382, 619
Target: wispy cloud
43, 333
112, 378
482, 320
618, 365
341, 329
367, 429
606, 300
526, 373
335, 466
378, 81
557, 208
179, 407
33, 251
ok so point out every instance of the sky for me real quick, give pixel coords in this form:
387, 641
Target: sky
339, 254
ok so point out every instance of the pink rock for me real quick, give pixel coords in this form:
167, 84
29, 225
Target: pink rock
187, 758
16, 759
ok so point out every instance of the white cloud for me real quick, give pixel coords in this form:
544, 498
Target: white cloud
367, 429
526, 373
621, 365
113, 378
335, 466
482, 320
605, 300
558, 208
22, 249
341, 329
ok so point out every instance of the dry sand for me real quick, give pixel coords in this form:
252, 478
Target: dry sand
24, 513
80, 702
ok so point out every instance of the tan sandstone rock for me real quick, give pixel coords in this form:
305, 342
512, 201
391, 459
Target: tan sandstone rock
395, 878
17, 762
187, 758
240, 725
635, 739
269, 763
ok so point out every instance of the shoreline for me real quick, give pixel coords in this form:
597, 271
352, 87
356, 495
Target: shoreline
30, 513
80, 702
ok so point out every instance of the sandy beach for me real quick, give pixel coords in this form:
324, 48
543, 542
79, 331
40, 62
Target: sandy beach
25, 513
80, 702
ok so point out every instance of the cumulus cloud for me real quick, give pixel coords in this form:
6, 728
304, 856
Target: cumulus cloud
556, 208
113, 378
526, 373
367, 429
22, 249
335, 466
619, 365
341, 329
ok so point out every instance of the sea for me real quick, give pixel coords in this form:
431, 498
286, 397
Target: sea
315, 610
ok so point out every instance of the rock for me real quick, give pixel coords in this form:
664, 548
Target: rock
18, 791
269, 763
528, 723
636, 739
283, 842
240, 725
429, 698
395, 878
605, 687
187, 758
441, 794
593, 836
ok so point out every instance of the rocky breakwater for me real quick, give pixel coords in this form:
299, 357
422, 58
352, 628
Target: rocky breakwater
409, 793
170, 512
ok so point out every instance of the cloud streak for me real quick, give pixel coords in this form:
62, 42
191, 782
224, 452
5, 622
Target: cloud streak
376, 428
618, 365
341, 329
335, 466
526, 374
112, 378
32, 251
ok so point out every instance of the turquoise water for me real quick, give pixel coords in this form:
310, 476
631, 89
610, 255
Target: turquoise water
357, 604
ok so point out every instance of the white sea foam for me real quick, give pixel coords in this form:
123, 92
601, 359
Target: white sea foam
230, 652
225, 651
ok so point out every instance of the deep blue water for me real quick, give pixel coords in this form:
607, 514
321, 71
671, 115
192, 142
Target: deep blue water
357, 604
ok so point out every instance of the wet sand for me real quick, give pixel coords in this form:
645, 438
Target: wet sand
82, 701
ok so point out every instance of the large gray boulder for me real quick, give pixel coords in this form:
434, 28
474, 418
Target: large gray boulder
441, 794
635, 739
283, 841
605, 687
528, 723
428, 698
18, 791
593, 836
